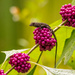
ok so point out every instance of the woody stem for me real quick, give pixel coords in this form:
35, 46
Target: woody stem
38, 45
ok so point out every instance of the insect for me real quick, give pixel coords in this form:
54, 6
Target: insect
44, 25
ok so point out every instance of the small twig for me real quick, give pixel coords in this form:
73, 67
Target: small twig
10, 69
60, 25
27, 53
53, 30
33, 48
38, 45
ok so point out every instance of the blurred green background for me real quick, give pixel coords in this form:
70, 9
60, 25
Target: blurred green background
15, 17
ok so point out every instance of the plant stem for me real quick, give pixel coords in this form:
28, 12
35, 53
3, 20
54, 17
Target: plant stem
10, 69
53, 30
60, 25
33, 48
38, 45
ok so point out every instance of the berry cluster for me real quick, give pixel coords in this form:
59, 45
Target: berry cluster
68, 12
44, 38
2, 72
20, 62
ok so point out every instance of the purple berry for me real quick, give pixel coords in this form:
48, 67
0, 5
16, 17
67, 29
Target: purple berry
20, 62
44, 38
68, 12
2, 72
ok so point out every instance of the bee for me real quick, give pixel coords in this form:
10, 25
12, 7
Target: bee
44, 25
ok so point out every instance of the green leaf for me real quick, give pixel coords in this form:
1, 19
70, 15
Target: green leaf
54, 71
2, 57
73, 2
32, 71
69, 47
56, 23
9, 53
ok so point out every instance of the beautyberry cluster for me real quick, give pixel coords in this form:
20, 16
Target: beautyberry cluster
20, 62
68, 12
44, 38
2, 72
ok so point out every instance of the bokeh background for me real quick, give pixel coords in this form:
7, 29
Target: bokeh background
15, 17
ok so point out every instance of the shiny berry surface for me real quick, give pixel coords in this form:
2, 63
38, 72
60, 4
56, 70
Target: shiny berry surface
2, 72
68, 12
44, 38
20, 62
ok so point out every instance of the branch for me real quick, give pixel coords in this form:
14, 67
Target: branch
10, 69
33, 48
53, 30
60, 25
38, 45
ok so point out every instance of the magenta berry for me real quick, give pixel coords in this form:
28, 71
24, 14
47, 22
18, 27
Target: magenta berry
2, 72
68, 12
44, 38
20, 62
